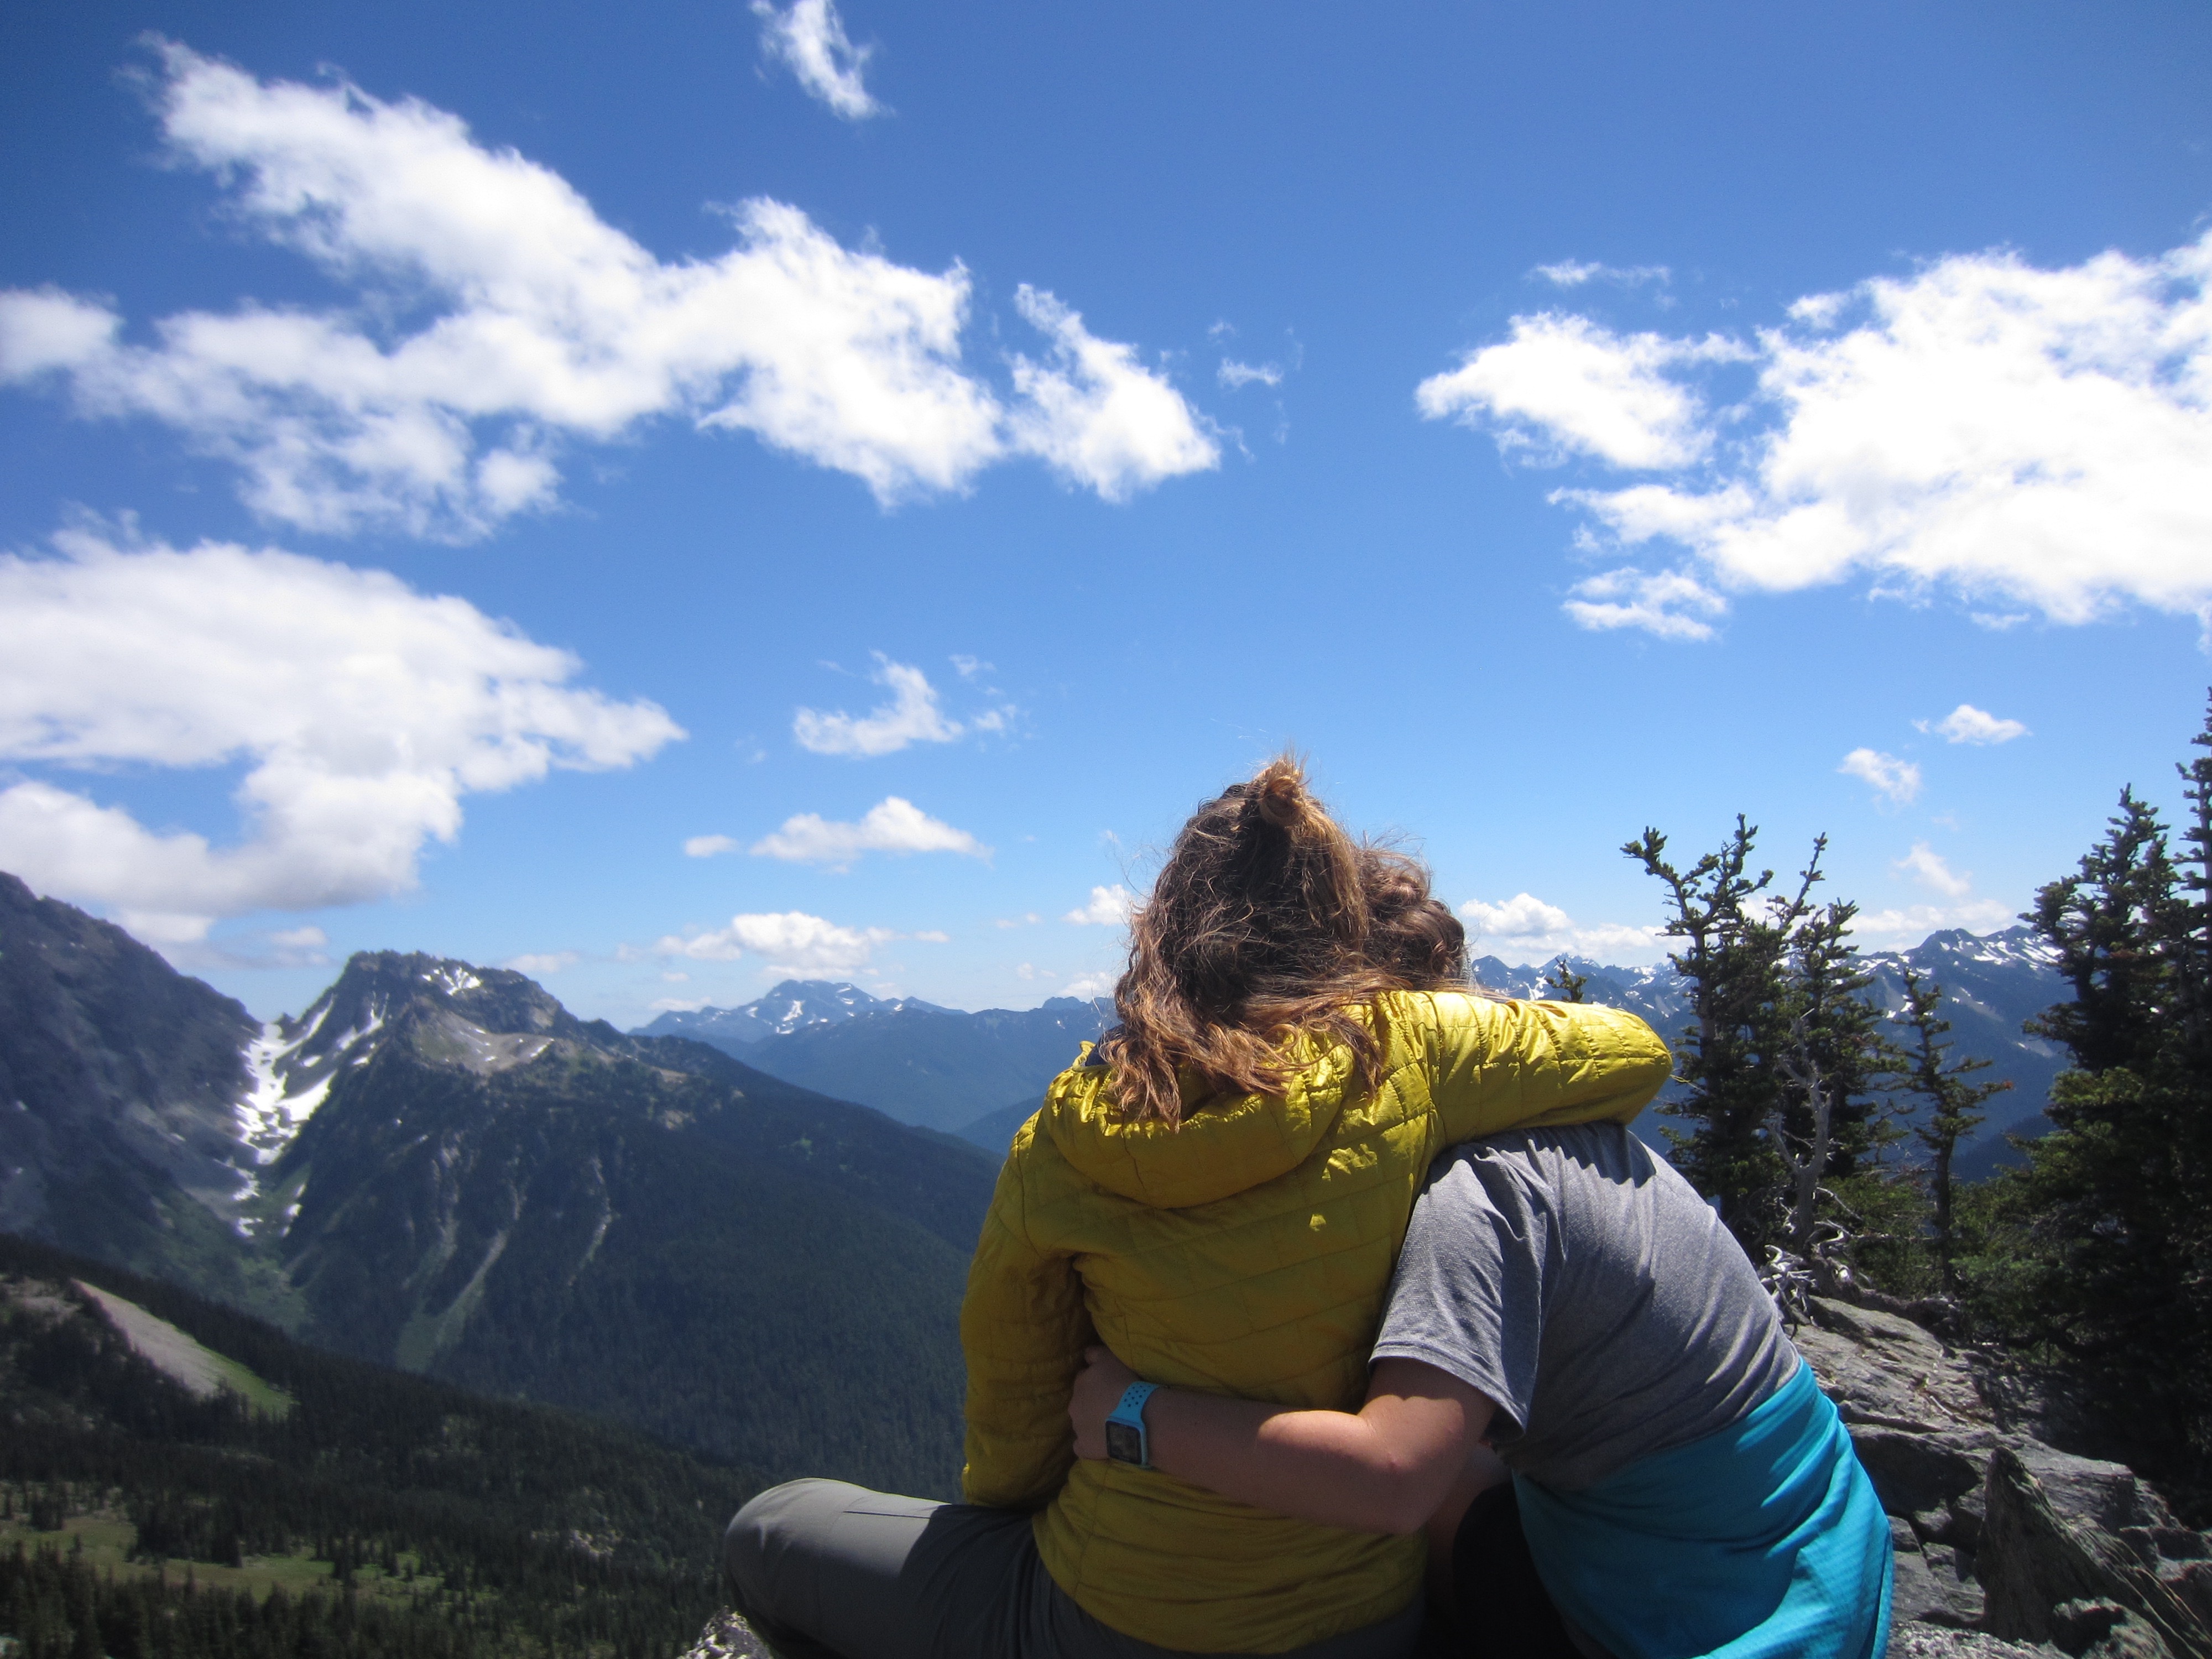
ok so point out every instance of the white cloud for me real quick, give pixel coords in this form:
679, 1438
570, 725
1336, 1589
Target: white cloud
1896, 780
361, 711
2033, 441
491, 317
1967, 724
1672, 604
1928, 866
1110, 907
969, 667
1089, 986
892, 825
809, 39
791, 940
1095, 415
1909, 925
1564, 383
1523, 916
299, 939
911, 716
707, 846
538, 963
1526, 928
1235, 376
1027, 918
1573, 273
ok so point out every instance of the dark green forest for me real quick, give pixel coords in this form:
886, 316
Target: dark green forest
381, 1514
1823, 1128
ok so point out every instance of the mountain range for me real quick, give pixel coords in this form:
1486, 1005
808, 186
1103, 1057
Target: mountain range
745, 1231
945, 1069
437, 1166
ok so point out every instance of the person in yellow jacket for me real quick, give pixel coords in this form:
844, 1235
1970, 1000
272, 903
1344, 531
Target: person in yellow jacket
1217, 1192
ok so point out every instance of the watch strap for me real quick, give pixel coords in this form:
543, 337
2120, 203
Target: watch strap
1129, 1412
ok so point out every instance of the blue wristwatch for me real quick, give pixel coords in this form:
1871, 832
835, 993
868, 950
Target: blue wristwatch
1126, 1442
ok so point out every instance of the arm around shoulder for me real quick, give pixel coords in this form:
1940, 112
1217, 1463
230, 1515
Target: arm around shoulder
1506, 1065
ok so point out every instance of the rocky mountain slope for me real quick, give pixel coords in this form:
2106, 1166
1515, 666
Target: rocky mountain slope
439, 1166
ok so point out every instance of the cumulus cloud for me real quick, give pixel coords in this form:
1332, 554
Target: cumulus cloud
1563, 384
1967, 724
892, 825
1895, 781
1524, 926
809, 40
1095, 414
1929, 867
912, 716
492, 318
361, 711
792, 941
2031, 440
1908, 925
707, 846
1110, 907
1089, 986
1523, 916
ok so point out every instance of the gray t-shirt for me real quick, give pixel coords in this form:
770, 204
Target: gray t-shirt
1583, 1284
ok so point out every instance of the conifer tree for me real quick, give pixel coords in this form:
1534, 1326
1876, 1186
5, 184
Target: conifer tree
1929, 1073
2116, 1192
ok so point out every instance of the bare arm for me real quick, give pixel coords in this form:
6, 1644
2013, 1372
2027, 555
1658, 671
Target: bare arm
1387, 1468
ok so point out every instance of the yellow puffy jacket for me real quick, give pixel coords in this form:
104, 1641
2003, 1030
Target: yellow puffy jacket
1247, 1253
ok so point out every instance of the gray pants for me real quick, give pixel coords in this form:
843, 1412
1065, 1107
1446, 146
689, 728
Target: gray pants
827, 1570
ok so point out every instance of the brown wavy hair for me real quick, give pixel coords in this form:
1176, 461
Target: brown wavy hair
1268, 921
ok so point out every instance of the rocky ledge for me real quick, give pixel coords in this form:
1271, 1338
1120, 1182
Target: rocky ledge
2004, 1544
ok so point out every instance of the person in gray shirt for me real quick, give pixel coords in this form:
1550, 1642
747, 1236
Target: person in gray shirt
1584, 1287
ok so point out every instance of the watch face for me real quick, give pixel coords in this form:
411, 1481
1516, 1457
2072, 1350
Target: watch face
1124, 1444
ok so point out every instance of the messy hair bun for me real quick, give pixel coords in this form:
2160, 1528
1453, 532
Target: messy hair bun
1256, 930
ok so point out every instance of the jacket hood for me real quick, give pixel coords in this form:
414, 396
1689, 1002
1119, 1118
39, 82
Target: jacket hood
1225, 1144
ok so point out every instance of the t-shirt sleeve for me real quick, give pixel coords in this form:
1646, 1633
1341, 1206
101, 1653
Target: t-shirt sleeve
1468, 1297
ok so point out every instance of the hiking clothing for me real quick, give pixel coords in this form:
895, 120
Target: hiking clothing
1587, 1290
1246, 1253
1763, 1541
1682, 1485
828, 1570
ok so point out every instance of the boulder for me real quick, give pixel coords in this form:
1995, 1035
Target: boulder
2040, 1570
1991, 1527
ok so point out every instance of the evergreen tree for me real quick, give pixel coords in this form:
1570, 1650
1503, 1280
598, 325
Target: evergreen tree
1929, 1073
1563, 982
1733, 961
2121, 1280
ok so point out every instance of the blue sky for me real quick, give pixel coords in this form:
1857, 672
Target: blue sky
675, 496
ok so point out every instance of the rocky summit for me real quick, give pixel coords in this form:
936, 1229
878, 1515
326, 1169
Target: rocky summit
2002, 1539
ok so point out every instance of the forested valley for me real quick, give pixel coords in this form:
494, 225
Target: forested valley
321, 1508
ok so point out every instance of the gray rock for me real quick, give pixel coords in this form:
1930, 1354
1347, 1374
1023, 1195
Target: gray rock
2103, 1630
2034, 1562
1916, 1641
1927, 1586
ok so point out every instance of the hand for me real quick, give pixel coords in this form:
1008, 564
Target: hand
1098, 1389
